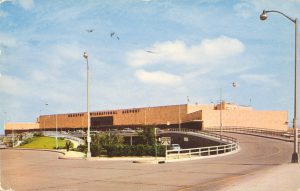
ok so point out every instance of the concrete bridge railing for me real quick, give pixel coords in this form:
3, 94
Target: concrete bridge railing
66, 136
227, 145
252, 130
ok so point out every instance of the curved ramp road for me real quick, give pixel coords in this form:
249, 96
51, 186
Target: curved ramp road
37, 170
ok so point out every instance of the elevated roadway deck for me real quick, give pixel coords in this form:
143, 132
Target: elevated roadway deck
34, 170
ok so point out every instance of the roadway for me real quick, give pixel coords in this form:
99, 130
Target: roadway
38, 170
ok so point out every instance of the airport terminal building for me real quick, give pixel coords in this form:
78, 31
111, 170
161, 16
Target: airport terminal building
172, 116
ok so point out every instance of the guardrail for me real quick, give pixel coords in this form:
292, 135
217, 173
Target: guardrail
231, 144
206, 133
67, 136
271, 132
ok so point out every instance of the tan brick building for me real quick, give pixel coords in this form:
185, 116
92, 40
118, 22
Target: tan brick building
173, 116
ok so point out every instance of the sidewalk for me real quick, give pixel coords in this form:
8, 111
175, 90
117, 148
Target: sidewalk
72, 155
142, 159
78, 155
285, 177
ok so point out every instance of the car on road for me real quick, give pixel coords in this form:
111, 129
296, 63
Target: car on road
2, 146
175, 147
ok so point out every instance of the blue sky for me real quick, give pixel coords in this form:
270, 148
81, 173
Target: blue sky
167, 50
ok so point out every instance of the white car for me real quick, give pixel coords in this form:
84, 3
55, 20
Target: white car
128, 130
175, 147
2, 146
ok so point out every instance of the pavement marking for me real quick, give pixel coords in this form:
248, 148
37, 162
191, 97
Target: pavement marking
268, 156
213, 182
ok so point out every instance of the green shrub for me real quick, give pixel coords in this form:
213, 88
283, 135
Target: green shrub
95, 150
112, 145
38, 134
81, 148
101, 140
26, 141
134, 150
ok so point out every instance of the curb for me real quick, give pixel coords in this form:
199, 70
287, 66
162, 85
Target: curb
134, 160
148, 161
71, 158
49, 150
258, 135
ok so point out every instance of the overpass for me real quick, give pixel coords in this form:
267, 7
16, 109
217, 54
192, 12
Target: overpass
45, 172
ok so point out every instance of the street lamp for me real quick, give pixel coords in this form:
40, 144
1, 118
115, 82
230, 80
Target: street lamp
88, 154
221, 120
263, 17
56, 143
179, 118
46, 104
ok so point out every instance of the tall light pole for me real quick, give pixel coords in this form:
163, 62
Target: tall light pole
4, 120
146, 122
221, 120
56, 143
263, 17
234, 97
179, 118
155, 134
145, 116
88, 154
46, 104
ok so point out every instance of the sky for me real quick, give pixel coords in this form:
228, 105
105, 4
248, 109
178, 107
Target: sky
143, 53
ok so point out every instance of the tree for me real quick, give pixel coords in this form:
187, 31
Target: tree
148, 135
101, 140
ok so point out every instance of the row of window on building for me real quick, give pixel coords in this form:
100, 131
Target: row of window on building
104, 113
131, 111
76, 115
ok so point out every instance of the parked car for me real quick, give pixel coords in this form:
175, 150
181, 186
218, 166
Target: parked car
175, 147
128, 130
158, 130
139, 130
2, 146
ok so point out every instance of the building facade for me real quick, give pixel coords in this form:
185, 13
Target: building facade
172, 116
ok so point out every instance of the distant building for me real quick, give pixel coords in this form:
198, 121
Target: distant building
172, 116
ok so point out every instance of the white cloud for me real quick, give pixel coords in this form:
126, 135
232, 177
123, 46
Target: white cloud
7, 40
3, 1
3, 14
290, 7
244, 9
26, 4
67, 52
12, 86
260, 79
157, 77
208, 51
37, 75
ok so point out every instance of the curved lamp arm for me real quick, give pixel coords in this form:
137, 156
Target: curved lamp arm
273, 11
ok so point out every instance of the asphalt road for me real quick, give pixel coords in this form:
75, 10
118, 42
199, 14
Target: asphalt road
38, 170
